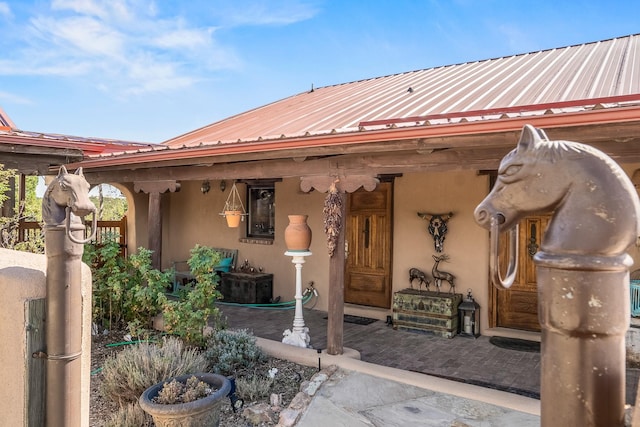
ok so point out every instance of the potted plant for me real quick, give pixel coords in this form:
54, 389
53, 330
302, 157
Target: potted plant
191, 400
233, 208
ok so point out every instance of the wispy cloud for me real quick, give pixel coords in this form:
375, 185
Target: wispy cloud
16, 99
129, 47
516, 38
264, 12
5, 10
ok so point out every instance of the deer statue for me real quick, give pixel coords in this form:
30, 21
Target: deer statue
421, 276
439, 276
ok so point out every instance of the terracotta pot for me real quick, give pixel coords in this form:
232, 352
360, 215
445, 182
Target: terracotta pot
297, 235
203, 412
233, 218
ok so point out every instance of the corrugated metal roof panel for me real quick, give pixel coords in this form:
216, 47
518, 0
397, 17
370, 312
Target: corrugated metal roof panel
594, 70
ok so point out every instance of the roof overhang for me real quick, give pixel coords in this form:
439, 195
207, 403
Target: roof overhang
478, 143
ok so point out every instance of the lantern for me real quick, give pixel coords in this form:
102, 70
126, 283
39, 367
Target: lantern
469, 317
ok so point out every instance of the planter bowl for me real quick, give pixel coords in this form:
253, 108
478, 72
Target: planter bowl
203, 412
233, 218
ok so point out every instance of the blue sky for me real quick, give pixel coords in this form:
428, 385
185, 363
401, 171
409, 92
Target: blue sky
147, 71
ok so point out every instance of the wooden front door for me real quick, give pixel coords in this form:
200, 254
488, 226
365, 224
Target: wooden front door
517, 307
368, 246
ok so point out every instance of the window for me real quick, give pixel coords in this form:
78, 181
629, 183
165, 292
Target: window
262, 210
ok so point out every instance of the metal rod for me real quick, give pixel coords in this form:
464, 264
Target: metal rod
494, 254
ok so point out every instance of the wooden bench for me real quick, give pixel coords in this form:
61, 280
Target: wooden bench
182, 273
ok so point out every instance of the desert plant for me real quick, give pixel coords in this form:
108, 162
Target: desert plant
176, 391
136, 368
254, 387
231, 351
194, 310
130, 415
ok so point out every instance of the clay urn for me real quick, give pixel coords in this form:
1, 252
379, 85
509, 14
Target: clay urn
297, 235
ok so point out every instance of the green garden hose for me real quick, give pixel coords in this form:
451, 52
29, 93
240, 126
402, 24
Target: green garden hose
308, 294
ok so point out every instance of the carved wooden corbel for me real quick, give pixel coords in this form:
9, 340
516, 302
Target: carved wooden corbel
343, 183
156, 186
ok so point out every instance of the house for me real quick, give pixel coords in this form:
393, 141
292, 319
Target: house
37, 153
421, 142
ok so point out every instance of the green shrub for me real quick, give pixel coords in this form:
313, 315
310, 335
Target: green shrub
229, 352
130, 415
126, 292
138, 367
194, 310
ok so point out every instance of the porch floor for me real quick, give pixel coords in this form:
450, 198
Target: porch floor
467, 360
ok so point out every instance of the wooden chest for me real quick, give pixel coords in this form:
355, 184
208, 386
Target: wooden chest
246, 288
426, 311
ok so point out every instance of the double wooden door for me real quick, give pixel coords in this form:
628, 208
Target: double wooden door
517, 307
368, 247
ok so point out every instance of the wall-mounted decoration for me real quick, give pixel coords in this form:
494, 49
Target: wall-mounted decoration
437, 227
332, 215
439, 275
420, 276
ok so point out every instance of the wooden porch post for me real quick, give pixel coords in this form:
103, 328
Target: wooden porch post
154, 221
155, 189
335, 310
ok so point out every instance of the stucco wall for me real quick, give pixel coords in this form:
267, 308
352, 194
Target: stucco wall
22, 278
191, 217
466, 243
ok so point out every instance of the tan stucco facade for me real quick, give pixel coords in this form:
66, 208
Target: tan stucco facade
191, 217
22, 278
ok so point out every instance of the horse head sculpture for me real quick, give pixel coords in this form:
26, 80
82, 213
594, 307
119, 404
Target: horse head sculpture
595, 206
66, 201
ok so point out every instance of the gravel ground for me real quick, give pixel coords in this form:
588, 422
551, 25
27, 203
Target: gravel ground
287, 382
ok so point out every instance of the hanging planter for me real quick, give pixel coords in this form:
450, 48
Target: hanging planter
234, 211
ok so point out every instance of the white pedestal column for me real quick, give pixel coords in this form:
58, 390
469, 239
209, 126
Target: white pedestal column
299, 334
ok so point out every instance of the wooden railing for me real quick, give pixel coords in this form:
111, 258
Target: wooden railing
31, 229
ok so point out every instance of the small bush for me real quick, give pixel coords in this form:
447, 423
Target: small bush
253, 388
136, 368
130, 415
231, 351
194, 311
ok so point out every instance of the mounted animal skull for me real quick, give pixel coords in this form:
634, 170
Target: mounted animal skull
437, 227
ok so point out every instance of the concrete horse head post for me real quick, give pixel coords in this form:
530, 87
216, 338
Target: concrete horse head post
582, 269
64, 203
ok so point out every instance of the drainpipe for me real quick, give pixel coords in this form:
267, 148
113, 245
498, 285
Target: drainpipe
63, 318
582, 270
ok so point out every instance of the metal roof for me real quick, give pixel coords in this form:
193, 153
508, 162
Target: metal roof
603, 74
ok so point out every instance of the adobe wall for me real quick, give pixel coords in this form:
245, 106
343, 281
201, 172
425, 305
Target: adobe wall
192, 217
22, 278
